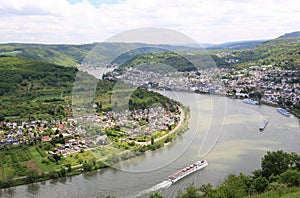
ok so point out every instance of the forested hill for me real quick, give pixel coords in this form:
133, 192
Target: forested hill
283, 52
237, 45
290, 35
71, 55
19, 72
29, 87
65, 55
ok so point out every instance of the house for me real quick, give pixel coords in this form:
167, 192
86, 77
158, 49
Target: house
45, 138
60, 126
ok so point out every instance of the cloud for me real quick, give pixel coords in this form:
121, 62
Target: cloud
59, 21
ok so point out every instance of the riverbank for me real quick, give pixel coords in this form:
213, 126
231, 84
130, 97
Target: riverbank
106, 162
294, 112
239, 150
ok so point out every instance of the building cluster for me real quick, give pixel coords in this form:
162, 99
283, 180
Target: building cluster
73, 138
268, 83
276, 86
44, 131
205, 81
132, 124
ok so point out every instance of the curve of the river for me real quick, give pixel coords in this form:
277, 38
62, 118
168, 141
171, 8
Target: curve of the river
223, 131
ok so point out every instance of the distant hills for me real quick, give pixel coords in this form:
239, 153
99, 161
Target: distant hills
282, 51
236, 45
71, 55
64, 55
291, 35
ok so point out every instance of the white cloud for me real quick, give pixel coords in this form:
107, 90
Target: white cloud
58, 21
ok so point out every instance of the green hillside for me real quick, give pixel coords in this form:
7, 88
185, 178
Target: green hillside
179, 63
29, 87
71, 55
282, 52
64, 55
292, 192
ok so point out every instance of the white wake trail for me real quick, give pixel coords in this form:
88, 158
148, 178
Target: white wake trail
161, 185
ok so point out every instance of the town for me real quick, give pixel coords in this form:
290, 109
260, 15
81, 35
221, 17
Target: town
268, 84
125, 126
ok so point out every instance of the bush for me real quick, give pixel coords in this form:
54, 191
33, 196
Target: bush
290, 177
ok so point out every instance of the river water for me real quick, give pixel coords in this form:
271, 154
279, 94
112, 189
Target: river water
223, 131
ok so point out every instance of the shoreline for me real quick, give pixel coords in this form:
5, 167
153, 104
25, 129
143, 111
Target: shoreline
160, 142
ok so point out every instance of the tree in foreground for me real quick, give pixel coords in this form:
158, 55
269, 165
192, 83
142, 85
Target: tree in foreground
191, 192
290, 177
259, 185
275, 163
206, 188
156, 195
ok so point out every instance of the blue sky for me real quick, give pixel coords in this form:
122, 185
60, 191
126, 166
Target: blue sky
85, 21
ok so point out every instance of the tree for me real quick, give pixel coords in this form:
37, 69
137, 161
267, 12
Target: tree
62, 172
47, 146
69, 167
290, 177
233, 186
191, 192
8, 176
156, 195
31, 175
53, 174
205, 188
275, 163
257, 173
2, 118
87, 166
152, 140
259, 185
295, 159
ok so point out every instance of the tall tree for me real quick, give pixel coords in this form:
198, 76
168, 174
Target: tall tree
275, 163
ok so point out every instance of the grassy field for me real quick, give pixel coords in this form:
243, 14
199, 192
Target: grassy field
37, 158
286, 193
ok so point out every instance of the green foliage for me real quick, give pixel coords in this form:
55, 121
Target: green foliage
259, 185
233, 186
170, 59
65, 55
53, 174
275, 163
282, 52
280, 193
87, 166
144, 99
191, 192
31, 175
30, 88
156, 195
290, 177
206, 189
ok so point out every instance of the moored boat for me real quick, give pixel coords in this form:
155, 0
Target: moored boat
250, 101
283, 111
187, 170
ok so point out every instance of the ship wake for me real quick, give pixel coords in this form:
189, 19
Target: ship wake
161, 185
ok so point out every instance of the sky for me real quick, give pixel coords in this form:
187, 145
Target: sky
87, 21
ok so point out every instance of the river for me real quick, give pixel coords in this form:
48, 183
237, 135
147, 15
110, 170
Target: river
223, 131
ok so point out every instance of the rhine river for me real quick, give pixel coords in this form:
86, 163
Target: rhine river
223, 131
